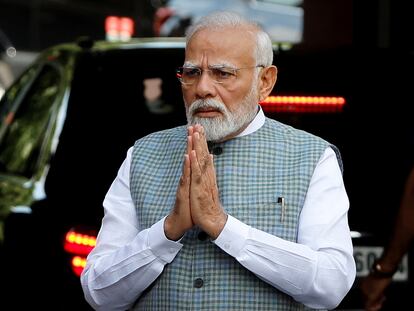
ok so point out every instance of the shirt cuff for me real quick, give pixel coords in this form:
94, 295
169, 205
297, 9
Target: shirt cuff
232, 238
160, 245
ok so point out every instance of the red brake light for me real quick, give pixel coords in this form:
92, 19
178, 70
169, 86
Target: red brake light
79, 245
119, 28
303, 104
78, 263
112, 24
126, 27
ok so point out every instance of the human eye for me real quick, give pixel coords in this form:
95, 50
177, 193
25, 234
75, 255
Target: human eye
223, 73
191, 72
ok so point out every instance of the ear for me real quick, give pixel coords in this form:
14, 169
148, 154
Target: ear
268, 77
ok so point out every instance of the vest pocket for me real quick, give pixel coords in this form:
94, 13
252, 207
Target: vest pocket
275, 216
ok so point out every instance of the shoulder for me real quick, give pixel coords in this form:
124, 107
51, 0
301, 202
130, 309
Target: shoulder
298, 143
164, 138
303, 141
293, 135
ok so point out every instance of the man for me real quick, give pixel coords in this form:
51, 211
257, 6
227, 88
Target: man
374, 286
260, 224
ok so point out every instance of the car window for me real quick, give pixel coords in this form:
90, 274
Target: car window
116, 97
27, 123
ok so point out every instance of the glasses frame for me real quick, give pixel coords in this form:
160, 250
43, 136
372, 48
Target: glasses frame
179, 71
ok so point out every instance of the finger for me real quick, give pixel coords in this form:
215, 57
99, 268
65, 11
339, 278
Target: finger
209, 173
190, 133
203, 140
203, 156
213, 168
195, 169
190, 130
185, 177
187, 171
189, 144
213, 180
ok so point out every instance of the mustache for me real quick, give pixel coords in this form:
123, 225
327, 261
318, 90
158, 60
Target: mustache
206, 103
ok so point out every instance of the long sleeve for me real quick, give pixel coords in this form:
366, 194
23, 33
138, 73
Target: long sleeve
125, 260
318, 270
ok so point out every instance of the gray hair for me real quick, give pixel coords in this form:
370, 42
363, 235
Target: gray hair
225, 19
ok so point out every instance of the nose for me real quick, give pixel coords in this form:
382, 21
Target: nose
205, 86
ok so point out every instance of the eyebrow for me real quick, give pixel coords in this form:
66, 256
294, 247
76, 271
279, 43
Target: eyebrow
189, 64
219, 65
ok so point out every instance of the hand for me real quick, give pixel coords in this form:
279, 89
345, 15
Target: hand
179, 220
206, 210
373, 291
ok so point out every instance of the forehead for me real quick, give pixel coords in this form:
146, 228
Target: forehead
225, 45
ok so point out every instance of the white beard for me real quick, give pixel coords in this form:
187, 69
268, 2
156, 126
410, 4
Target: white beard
218, 128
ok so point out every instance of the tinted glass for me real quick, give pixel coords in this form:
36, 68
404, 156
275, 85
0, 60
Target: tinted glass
116, 98
24, 139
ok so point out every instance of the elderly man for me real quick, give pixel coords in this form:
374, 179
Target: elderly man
259, 224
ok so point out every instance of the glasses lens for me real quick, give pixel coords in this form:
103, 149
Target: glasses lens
188, 75
223, 74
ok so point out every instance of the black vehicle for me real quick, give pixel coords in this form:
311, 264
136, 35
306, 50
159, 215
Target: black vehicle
66, 126
68, 121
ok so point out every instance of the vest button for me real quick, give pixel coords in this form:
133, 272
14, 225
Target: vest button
202, 236
217, 150
198, 283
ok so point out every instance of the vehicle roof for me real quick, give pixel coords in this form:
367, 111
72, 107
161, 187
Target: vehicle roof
103, 45
85, 43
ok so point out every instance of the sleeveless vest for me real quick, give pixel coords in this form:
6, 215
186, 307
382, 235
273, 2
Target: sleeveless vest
253, 173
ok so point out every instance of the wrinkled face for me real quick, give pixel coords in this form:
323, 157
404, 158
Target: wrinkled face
223, 109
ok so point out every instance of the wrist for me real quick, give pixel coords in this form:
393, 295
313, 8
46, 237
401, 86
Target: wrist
170, 230
381, 270
214, 228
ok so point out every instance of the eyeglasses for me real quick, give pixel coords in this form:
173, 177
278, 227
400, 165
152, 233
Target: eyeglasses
219, 74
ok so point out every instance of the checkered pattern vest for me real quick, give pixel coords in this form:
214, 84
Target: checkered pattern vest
252, 171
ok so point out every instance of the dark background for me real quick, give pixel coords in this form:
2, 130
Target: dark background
375, 43
36, 24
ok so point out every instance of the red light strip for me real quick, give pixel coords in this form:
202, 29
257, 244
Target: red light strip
79, 244
303, 104
78, 264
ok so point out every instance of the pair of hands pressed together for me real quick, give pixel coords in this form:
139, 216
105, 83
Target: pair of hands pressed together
197, 200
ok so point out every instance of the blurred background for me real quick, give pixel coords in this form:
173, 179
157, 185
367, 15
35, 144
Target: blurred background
362, 49
29, 26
